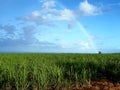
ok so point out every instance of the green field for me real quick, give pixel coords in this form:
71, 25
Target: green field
22, 71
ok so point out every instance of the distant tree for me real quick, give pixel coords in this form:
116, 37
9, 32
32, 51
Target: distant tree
99, 52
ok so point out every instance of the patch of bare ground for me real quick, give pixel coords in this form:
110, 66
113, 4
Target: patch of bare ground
94, 85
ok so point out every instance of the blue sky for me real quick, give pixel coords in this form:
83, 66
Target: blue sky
60, 26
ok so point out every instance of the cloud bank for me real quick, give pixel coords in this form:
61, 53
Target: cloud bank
47, 15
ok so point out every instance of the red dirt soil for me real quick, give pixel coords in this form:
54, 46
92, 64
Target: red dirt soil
96, 85
101, 85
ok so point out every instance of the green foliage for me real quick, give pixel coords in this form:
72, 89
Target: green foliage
23, 71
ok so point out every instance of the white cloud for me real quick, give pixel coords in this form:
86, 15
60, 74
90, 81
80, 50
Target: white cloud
48, 15
35, 13
66, 15
48, 5
87, 9
84, 45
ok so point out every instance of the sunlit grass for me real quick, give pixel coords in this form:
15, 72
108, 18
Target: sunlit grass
22, 71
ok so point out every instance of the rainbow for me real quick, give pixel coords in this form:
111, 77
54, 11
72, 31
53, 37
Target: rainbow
91, 42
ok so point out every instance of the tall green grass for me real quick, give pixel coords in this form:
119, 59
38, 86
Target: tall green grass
41, 71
